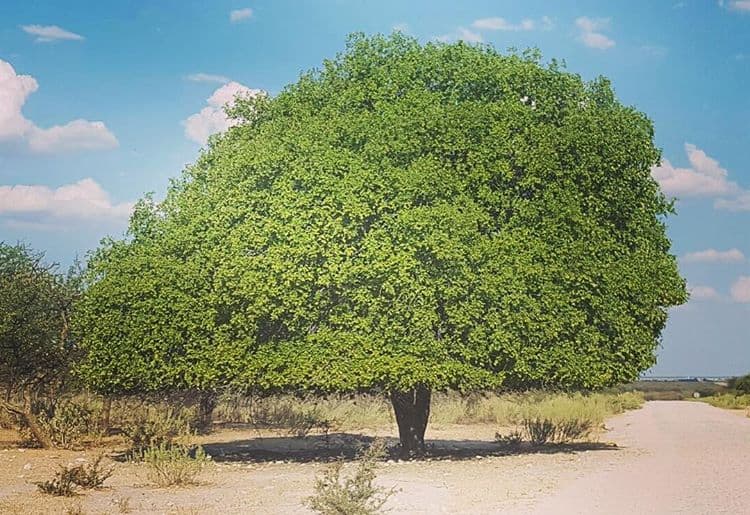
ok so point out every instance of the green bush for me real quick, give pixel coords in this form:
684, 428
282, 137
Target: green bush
175, 464
353, 495
70, 423
153, 427
740, 384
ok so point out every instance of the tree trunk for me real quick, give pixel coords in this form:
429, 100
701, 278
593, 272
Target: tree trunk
412, 410
29, 419
206, 405
106, 414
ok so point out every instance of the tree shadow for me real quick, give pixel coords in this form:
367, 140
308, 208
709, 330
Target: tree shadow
346, 446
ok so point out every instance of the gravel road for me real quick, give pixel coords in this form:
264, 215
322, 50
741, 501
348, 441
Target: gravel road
689, 458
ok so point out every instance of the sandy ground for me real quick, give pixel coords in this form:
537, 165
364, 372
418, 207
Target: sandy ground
671, 457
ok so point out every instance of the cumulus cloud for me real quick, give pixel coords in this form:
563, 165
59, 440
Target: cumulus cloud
207, 77
462, 34
498, 23
741, 202
592, 32
50, 33
703, 293
740, 290
15, 128
238, 15
705, 177
212, 118
714, 256
82, 200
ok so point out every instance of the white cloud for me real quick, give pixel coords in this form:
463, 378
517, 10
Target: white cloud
462, 34
741, 202
498, 23
16, 128
402, 27
740, 290
82, 200
207, 77
591, 32
714, 256
238, 15
50, 33
212, 118
704, 178
740, 5
703, 293
75, 135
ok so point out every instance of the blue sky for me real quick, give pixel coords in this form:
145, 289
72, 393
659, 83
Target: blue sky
101, 102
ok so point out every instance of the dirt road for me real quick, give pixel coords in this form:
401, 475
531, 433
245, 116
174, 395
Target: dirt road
689, 458
671, 457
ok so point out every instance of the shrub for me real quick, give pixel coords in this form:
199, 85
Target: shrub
61, 485
175, 464
513, 440
91, 476
151, 427
67, 479
740, 384
354, 495
69, 424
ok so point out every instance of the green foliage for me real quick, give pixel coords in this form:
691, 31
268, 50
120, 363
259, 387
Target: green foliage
36, 347
154, 427
740, 384
729, 401
355, 494
436, 215
70, 423
174, 464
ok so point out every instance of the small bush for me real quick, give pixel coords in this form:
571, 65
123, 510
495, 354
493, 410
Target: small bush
175, 464
354, 495
539, 431
61, 485
91, 476
150, 427
513, 440
69, 424
68, 479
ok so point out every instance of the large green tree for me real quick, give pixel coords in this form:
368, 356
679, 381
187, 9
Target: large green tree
410, 218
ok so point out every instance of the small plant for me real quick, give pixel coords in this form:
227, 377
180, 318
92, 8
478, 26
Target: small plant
354, 495
67, 479
175, 464
62, 485
153, 428
91, 476
540, 431
122, 504
512, 440
69, 424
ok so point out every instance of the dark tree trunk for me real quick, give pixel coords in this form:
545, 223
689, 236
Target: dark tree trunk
412, 410
205, 416
106, 414
29, 420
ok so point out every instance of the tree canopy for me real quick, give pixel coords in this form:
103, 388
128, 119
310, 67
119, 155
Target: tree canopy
408, 216
36, 346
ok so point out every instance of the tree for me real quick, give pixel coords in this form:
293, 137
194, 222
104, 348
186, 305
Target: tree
147, 321
412, 218
36, 348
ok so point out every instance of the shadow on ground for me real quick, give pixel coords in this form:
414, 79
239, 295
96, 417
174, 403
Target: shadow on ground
322, 448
